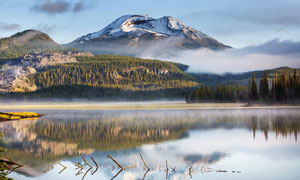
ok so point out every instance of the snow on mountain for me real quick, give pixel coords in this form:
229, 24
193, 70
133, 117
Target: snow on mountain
132, 34
165, 26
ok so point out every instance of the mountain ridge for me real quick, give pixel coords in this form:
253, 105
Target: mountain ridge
130, 34
26, 42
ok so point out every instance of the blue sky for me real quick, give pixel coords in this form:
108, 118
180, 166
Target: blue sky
237, 23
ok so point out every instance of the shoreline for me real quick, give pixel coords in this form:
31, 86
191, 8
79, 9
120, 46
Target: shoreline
141, 106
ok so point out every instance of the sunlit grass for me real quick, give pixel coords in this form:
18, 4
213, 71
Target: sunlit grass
18, 115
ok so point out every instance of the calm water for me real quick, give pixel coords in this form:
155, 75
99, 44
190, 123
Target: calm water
197, 144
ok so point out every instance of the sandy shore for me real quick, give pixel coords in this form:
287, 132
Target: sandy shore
138, 105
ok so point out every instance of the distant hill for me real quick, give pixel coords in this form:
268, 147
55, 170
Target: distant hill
136, 34
237, 78
26, 42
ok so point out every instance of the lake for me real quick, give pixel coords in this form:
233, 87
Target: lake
175, 144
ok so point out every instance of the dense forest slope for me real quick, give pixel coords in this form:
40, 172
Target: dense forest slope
115, 72
102, 77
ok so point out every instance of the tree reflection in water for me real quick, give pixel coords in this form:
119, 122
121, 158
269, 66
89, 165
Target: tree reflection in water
62, 134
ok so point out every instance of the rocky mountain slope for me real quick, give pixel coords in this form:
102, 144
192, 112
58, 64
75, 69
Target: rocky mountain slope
132, 34
14, 75
40, 70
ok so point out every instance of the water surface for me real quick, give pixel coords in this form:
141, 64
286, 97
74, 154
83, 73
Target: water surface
197, 144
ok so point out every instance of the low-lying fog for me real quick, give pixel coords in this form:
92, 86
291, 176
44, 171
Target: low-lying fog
272, 54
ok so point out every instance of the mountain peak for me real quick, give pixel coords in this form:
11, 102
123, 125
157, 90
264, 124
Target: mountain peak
26, 42
142, 31
27, 31
31, 35
164, 26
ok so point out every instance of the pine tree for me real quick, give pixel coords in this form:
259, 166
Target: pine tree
264, 88
253, 93
294, 85
277, 88
281, 88
272, 93
195, 95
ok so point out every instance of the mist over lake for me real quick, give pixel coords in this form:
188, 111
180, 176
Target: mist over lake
149, 90
197, 144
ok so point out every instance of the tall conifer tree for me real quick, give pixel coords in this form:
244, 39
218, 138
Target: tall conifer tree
264, 88
254, 93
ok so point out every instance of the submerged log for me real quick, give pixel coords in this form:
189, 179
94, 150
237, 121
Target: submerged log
144, 162
119, 165
85, 161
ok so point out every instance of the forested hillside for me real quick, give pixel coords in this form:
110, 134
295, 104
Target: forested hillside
110, 77
115, 72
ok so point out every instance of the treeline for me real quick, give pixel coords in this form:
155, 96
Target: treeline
219, 93
84, 92
115, 72
283, 88
239, 78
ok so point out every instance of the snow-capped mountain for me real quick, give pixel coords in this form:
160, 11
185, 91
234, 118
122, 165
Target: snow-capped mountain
131, 34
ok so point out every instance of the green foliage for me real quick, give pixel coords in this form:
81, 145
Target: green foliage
240, 78
253, 91
84, 92
110, 77
17, 51
264, 88
112, 71
219, 93
285, 88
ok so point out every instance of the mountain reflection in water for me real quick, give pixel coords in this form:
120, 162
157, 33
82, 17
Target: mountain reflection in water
179, 136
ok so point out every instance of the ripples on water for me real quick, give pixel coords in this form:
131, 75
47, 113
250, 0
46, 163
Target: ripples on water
247, 144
